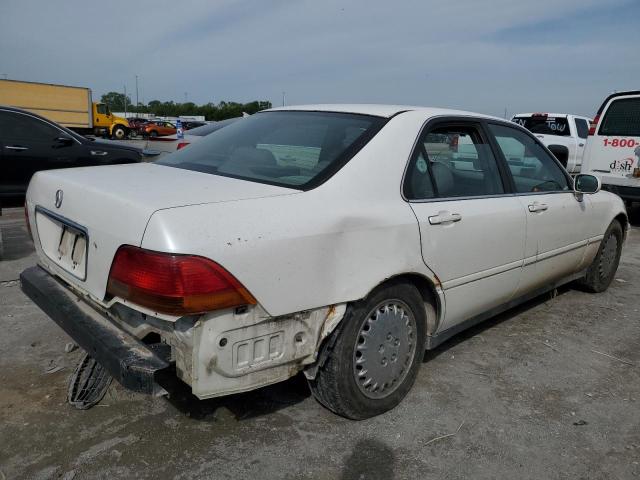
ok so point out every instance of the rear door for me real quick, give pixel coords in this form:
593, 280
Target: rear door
472, 231
557, 222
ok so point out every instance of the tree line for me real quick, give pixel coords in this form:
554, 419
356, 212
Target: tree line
211, 111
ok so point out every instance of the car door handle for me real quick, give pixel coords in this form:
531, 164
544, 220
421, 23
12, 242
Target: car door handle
581, 144
17, 148
98, 153
444, 217
538, 207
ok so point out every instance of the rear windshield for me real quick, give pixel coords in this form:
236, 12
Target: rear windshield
622, 118
285, 148
545, 125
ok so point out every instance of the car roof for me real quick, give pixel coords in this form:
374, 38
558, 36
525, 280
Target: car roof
378, 110
617, 94
549, 114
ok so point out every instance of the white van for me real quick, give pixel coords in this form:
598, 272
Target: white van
613, 149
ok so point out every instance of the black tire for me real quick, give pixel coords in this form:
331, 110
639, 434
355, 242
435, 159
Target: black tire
153, 134
602, 271
119, 133
336, 386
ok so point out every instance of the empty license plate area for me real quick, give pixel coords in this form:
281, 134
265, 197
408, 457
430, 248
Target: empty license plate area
64, 242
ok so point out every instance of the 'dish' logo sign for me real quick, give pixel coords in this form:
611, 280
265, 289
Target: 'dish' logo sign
624, 165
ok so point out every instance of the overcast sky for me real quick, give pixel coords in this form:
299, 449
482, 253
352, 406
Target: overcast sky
485, 56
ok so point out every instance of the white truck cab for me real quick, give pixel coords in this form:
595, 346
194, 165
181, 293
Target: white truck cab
565, 135
613, 150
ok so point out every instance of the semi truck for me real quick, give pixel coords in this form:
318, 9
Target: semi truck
69, 106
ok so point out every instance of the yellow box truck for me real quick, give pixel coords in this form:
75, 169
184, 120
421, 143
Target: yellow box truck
66, 105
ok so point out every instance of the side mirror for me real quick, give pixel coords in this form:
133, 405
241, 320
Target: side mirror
584, 183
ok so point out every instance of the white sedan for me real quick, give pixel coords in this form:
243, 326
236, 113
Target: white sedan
337, 240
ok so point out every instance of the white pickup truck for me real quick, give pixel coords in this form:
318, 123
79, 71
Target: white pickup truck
565, 135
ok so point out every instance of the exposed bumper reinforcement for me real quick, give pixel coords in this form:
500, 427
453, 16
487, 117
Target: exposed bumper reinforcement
127, 359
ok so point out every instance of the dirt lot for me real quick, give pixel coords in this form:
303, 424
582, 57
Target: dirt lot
549, 391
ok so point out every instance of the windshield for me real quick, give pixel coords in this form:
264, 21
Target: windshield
545, 125
285, 148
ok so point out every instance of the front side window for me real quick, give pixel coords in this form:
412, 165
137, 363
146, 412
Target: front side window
582, 127
622, 118
102, 109
532, 168
286, 148
452, 161
16, 126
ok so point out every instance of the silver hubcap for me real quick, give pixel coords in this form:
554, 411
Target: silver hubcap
608, 257
384, 349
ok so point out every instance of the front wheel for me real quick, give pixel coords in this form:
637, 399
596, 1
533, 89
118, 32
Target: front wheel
376, 355
153, 134
119, 133
603, 269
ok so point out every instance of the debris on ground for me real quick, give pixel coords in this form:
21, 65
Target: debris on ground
70, 347
88, 384
579, 423
615, 358
444, 436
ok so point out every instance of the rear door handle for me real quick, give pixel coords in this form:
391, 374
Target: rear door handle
99, 153
538, 207
17, 148
444, 217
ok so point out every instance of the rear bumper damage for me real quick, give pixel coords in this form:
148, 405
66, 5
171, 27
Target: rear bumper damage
126, 358
218, 353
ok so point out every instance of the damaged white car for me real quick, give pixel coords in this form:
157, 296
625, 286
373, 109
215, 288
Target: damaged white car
338, 240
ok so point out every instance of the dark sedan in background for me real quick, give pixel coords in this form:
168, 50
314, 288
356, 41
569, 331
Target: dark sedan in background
29, 143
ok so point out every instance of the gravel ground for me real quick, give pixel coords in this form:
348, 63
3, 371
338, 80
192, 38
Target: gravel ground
550, 390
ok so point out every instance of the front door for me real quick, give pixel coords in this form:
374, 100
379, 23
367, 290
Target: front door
472, 231
557, 219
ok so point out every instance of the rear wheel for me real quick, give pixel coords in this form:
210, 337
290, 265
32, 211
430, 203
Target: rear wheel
603, 269
376, 355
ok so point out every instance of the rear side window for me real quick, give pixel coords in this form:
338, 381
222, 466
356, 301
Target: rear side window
622, 118
545, 125
452, 161
582, 127
286, 148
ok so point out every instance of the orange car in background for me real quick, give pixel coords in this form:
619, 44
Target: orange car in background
157, 129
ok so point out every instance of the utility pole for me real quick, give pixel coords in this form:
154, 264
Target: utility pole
283, 99
137, 99
125, 101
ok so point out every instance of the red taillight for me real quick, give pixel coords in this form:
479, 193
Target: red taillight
594, 125
174, 284
26, 217
182, 145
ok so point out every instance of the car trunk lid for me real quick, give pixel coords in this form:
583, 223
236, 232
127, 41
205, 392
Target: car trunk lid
81, 216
